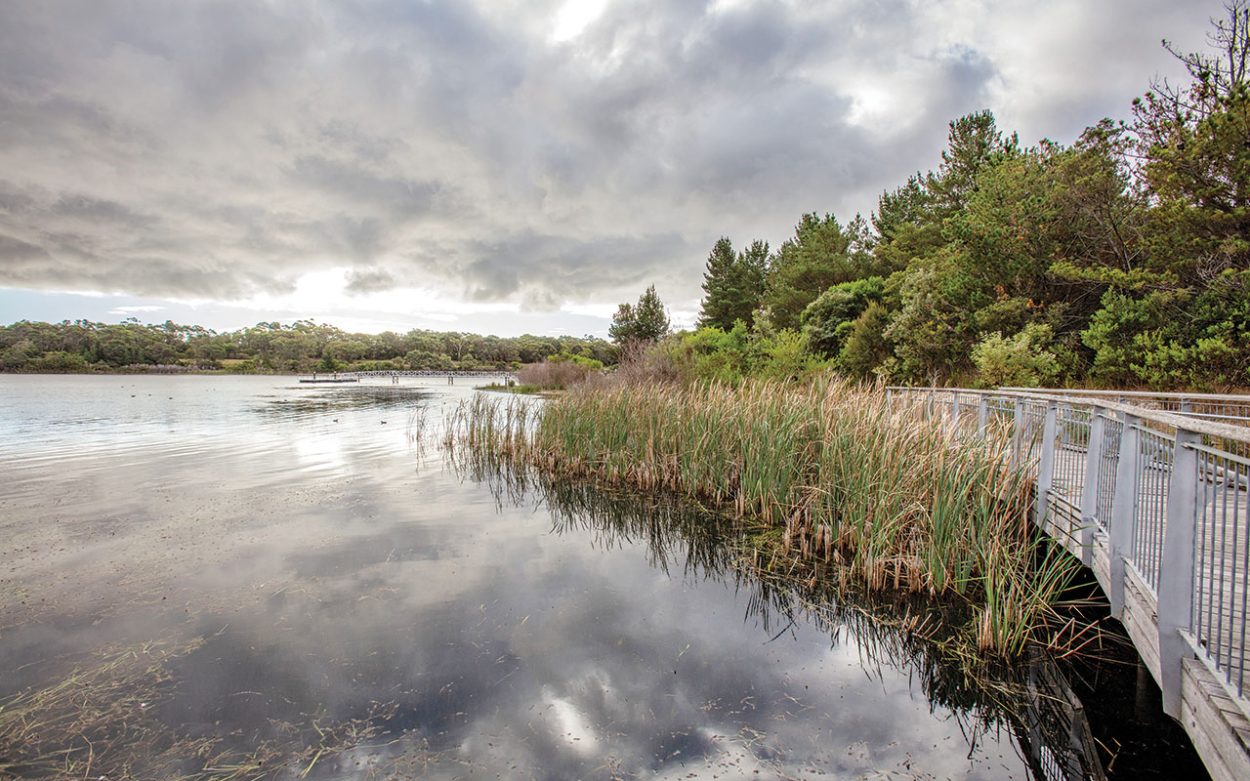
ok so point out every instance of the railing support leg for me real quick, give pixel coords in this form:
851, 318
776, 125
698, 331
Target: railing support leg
1123, 511
1017, 432
1046, 469
1091, 487
1176, 569
983, 415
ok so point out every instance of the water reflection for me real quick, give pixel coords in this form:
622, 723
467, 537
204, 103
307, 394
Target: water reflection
1032, 700
231, 602
320, 401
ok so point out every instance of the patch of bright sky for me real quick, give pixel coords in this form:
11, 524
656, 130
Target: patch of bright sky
575, 16
327, 291
870, 104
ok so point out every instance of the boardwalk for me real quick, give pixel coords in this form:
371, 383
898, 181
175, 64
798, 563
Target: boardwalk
1151, 492
394, 375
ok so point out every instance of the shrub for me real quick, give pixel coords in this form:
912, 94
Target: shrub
1021, 360
59, 361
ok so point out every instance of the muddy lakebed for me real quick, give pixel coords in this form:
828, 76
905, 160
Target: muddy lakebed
240, 577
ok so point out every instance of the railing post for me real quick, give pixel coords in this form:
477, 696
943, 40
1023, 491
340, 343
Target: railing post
1176, 569
1017, 432
1123, 511
954, 411
1090, 488
1046, 468
983, 414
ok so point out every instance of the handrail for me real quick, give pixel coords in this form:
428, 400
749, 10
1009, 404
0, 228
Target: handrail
1174, 419
1171, 395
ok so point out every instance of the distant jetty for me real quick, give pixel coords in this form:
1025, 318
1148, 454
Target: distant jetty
331, 380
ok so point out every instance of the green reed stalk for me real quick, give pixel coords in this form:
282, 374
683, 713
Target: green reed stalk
848, 478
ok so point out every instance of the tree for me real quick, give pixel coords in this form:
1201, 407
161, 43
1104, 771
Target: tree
1192, 139
973, 143
718, 286
732, 284
646, 321
821, 254
828, 320
866, 348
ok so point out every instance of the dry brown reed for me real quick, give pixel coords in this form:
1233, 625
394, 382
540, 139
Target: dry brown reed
552, 375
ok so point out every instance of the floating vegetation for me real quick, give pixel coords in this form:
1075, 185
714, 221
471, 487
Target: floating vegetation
103, 720
839, 478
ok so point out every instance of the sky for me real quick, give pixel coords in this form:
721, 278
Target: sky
504, 166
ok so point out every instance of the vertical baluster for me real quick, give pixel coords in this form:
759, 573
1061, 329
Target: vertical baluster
1046, 469
1090, 490
1017, 432
1176, 570
1123, 510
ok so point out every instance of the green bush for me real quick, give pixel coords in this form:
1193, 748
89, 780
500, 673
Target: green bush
1020, 360
830, 319
59, 361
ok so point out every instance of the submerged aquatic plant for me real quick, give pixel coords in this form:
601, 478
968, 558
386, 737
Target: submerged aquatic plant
849, 479
104, 719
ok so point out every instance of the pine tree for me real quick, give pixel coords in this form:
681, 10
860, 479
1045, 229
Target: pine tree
624, 325
646, 321
733, 284
651, 317
975, 142
753, 273
821, 253
720, 286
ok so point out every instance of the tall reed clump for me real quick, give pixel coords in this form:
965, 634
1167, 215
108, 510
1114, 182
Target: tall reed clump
851, 479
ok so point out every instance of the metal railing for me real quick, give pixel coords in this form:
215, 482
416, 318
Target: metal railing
1220, 407
1163, 493
430, 373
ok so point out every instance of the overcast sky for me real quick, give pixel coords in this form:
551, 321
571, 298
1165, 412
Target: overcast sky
494, 166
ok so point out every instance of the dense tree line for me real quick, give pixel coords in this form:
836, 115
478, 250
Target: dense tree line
1123, 259
302, 346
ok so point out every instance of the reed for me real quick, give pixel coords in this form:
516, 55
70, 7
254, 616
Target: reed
848, 479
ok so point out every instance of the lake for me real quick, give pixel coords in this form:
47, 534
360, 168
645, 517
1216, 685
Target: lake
227, 577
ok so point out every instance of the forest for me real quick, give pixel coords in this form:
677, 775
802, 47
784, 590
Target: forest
301, 346
1120, 260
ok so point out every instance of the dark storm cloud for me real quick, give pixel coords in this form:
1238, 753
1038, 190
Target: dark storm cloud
222, 149
563, 265
17, 253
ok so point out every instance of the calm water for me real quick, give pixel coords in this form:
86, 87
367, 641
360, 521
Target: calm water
290, 569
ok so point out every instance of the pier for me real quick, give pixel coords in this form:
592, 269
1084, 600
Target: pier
1152, 493
397, 374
